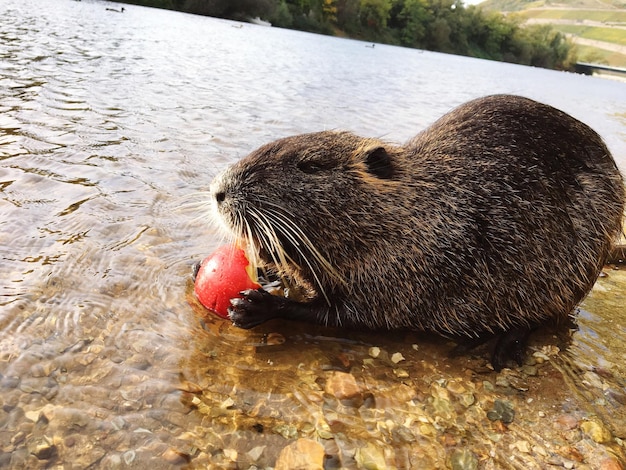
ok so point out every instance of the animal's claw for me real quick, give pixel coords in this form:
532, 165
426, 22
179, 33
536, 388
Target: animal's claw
255, 307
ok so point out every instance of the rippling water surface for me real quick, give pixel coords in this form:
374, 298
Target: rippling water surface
111, 126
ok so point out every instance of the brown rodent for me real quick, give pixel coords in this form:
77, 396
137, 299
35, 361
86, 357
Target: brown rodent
494, 220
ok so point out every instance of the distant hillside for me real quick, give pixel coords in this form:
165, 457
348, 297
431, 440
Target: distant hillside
597, 27
517, 5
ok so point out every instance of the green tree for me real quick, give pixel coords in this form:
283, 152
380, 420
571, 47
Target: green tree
348, 14
329, 10
551, 49
413, 17
282, 16
439, 35
375, 13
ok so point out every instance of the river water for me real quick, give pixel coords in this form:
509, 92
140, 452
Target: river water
111, 127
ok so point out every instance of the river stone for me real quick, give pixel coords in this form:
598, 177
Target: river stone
610, 463
341, 385
374, 351
463, 459
175, 457
304, 454
371, 457
503, 411
566, 422
397, 357
596, 431
44, 451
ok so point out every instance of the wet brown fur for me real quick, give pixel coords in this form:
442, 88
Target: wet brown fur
498, 216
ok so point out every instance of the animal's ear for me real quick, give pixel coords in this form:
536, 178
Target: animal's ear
378, 163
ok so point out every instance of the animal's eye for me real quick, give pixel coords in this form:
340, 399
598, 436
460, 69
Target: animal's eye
309, 167
315, 164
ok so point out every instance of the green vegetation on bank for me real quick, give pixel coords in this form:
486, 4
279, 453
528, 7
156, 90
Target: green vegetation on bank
594, 55
596, 27
437, 25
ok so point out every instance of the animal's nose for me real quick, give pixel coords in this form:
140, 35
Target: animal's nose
220, 196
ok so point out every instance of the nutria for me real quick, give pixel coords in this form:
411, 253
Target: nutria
494, 220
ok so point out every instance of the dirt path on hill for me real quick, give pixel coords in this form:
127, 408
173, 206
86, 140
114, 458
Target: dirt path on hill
596, 24
609, 46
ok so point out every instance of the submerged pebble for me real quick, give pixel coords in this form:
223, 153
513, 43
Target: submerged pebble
341, 385
463, 459
596, 431
502, 411
397, 357
371, 457
44, 451
304, 454
129, 457
175, 457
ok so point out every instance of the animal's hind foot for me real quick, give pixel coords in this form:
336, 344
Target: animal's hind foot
511, 346
465, 345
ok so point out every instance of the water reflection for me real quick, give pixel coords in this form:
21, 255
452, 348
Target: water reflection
111, 127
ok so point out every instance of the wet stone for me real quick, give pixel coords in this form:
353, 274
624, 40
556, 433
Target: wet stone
274, 339
610, 463
530, 370
467, 399
566, 422
397, 357
287, 431
443, 407
30, 385
374, 351
403, 434
255, 453
463, 459
596, 431
112, 461
522, 446
342, 385
5, 459
371, 457
138, 361
502, 411
129, 457
175, 457
44, 451
401, 373
41, 370
519, 384
488, 386
304, 454
32, 415
617, 395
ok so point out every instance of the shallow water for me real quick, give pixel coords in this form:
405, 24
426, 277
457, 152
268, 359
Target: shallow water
111, 126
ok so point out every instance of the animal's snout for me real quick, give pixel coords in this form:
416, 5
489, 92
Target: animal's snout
218, 190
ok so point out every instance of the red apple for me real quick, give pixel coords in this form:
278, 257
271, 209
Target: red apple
222, 276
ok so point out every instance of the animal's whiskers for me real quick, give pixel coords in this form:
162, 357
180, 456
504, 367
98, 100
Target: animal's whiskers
298, 244
264, 228
286, 220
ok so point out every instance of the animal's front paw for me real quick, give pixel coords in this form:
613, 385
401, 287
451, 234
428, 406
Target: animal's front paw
256, 307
